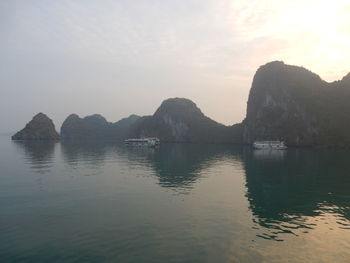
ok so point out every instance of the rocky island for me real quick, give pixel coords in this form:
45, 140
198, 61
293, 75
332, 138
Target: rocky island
96, 127
40, 127
176, 120
285, 102
295, 105
180, 120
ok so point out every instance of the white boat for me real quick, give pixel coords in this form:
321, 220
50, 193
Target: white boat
141, 142
269, 145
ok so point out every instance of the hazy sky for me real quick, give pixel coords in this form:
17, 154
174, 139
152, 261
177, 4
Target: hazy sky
118, 57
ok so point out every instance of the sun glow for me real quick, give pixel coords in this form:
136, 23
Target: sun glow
315, 34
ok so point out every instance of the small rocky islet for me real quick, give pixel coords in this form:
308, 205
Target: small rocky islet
40, 127
285, 102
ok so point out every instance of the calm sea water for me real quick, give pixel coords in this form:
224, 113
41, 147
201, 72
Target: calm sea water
103, 202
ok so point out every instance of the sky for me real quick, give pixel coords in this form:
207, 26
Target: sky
124, 57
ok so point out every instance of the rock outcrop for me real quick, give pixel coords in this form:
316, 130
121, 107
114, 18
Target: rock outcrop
40, 127
180, 120
295, 105
286, 102
176, 120
95, 127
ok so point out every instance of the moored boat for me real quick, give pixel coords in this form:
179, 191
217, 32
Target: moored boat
269, 145
143, 142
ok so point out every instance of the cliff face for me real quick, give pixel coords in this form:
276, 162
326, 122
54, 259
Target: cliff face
285, 103
40, 127
295, 105
95, 127
180, 120
176, 120
76, 128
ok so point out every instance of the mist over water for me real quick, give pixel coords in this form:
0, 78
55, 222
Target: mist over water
103, 202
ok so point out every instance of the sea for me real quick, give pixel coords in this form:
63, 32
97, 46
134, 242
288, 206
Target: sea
106, 202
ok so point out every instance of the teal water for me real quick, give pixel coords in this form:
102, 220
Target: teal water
102, 202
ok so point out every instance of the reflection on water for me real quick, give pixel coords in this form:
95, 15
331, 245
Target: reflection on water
180, 165
264, 154
39, 154
175, 165
75, 153
285, 193
235, 202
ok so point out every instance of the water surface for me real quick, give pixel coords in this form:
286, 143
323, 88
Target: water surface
103, 202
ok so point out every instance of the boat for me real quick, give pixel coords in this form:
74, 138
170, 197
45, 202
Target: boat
269, 145
143, 142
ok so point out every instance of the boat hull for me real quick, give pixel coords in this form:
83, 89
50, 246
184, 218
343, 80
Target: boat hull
145, 142
269, 145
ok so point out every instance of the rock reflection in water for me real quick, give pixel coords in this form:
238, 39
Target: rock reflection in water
85, 153
285, 189
175, 165
230, 201
284, 193
39, 154
180, 165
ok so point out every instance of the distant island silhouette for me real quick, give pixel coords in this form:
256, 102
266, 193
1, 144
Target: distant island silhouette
285, 102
